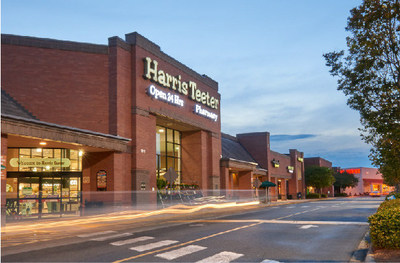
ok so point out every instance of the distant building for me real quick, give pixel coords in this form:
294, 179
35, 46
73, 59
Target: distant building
369, 179
320, 162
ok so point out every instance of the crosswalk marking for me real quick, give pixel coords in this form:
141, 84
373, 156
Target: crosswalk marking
111, 237
97, 234
154, 245
131, 241
223, 257
170, 255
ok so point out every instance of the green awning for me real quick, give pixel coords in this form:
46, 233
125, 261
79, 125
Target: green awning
267, 184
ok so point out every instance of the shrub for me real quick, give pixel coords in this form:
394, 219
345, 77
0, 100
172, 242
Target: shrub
396, 195
385, 225
324, 196
313, 196
161, 183
340, 194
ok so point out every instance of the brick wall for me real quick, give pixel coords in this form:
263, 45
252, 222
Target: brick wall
59, 86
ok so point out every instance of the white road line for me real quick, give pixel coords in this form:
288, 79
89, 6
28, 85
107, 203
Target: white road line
269, 261
177, 253
304, 206
307, 226
223, 257
154, 245
290, 207
314, 222
111, 237
97, 234
131, 241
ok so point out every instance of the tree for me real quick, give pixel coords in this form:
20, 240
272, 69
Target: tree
319, 177
387, 156
344, 180
370, 76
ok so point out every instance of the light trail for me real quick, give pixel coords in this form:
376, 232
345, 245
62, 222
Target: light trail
175, 210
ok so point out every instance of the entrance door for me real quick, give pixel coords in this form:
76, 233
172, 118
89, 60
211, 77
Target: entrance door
71, 187
51, 196
29, 194
42, 195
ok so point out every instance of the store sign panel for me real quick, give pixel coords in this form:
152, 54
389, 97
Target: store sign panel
350, 171
40, 162
205, 113
175, 83
179, 90
168, 97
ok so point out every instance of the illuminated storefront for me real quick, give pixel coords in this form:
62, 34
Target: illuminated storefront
43, 181
369, 180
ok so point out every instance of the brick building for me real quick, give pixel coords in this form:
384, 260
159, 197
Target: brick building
83, 123
253, 151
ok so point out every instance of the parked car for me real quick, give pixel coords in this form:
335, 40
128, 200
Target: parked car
375, 193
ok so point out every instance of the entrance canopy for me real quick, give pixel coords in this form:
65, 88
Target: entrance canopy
22, 132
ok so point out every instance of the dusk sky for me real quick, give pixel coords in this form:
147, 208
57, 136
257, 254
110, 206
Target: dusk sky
266, 56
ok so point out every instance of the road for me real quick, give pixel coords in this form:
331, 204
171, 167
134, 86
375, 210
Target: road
316, 231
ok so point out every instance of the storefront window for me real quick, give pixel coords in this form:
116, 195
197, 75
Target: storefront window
12, 188
43, 160
168, 150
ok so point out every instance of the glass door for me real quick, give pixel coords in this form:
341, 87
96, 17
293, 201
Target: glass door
51, 195
29, 195
70, 194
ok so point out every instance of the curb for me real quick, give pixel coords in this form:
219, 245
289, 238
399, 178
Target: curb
363, 253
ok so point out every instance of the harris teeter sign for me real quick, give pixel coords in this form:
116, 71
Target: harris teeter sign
184, 88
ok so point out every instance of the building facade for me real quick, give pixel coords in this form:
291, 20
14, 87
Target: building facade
369, 180
85, 123
284, 170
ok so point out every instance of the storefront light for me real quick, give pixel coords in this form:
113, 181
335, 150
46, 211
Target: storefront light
48, 167
80, 153
39, 150
161, 130
42, 143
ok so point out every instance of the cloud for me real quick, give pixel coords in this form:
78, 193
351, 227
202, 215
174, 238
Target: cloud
344, 150
285, 137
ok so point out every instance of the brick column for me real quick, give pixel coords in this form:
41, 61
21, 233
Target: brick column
245, 188
194, 159
144, 182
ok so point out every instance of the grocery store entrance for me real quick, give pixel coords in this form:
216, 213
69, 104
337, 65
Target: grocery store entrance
42, 195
